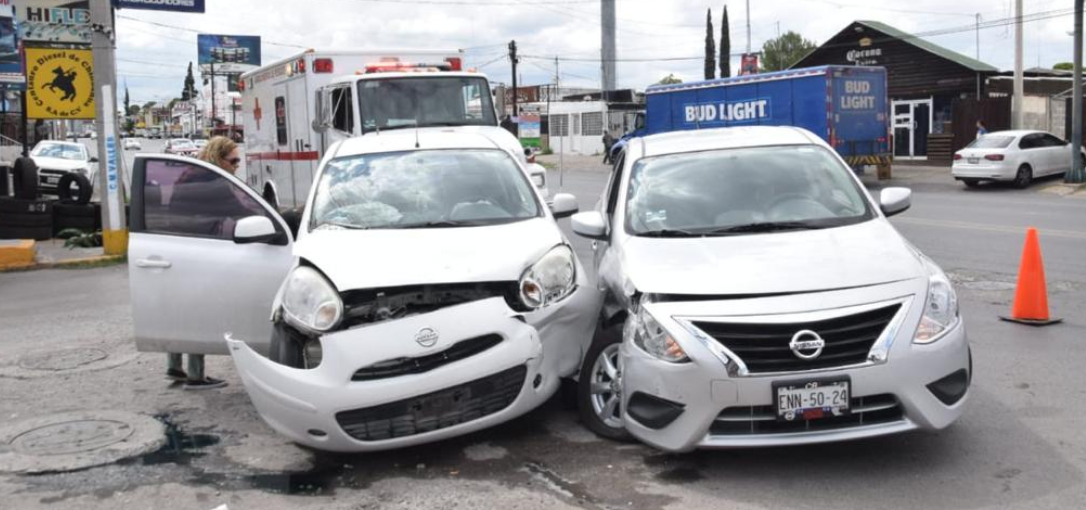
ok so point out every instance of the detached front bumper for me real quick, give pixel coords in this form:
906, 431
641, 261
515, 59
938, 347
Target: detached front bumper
325, 409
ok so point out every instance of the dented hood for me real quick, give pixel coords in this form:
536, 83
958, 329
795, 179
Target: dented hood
361, 259
869, 253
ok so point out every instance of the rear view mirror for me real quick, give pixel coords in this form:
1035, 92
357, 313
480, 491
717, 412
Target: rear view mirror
894, 201
590, 224
255, 229
564, 205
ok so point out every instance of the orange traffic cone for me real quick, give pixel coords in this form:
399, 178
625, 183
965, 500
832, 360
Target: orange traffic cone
1031, 297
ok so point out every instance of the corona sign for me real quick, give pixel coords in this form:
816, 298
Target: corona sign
59, 84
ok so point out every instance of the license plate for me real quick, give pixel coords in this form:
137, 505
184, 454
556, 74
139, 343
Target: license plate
811, 400
973, 161
50, 180
441, 403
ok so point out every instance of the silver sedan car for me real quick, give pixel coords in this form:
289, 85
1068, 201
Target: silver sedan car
756, 295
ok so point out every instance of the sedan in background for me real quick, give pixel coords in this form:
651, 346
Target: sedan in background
181, 147
1012, 156
132, 144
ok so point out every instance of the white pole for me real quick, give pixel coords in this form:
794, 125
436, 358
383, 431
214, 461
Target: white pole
1019, 84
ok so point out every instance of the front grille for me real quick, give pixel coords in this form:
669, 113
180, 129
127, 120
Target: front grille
751, 420
43, 173
437, 410
763, 347
407, 366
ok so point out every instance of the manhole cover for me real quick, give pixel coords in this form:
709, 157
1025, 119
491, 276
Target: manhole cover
67, 359
77, 440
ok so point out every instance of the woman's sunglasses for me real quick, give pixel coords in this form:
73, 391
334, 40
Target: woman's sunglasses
234, 161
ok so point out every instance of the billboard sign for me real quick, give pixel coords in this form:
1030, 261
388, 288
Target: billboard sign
748, 64
162, 5
11, 66
529, 130
53, 21
228, 53
59, 84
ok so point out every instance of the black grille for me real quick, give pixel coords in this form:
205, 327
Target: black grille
407, 366
764, 347
437, 410
751, 420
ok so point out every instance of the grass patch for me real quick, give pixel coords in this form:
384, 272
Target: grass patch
93, 264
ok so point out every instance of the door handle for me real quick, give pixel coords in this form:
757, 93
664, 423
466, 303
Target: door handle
154, 263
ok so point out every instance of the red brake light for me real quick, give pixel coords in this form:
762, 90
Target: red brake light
957, 157
994, 157
301, 65
323, 66
454, 63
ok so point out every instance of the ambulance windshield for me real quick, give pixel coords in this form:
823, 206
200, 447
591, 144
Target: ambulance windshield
425, 102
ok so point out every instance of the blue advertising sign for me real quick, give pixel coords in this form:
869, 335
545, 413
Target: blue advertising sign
162, 5
229, 53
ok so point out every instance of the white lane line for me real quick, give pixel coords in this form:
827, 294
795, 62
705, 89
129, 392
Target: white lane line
1069, 234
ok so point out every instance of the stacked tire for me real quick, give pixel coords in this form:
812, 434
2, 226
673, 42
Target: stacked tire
86, 217
26, 219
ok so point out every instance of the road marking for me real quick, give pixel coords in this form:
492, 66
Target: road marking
1070, 234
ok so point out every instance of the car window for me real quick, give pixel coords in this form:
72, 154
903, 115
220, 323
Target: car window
1052, 141
612, 193
342, 113
991, 142
735, 191
60, 150
415, 189
425, 101
182, 198
1029, 142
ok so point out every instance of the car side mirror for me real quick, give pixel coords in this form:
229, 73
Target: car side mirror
564, 205
895, 201
255, 229
590, 224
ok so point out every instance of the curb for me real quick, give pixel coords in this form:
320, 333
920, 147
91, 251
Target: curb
17, 254
65, 264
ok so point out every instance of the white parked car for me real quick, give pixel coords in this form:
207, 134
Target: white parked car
758, 296
56, 159
1012, 156
428, 293
182, 147
132, 144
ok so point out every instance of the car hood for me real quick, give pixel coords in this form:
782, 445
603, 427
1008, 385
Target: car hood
59, 163
364, 259
869, 253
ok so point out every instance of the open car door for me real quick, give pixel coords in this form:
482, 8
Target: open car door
194, 275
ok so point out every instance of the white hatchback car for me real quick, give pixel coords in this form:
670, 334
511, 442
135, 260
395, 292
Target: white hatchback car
756, 295
1012, 156
429, 292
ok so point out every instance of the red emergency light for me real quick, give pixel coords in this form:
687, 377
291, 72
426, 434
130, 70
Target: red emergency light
301, 65
455, 64
406, 67
323, 66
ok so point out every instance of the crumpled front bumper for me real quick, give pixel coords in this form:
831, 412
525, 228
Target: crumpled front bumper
303, 404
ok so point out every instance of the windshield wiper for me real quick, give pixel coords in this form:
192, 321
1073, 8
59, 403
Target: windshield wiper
670, 232
439, 224
346, 226
768, 226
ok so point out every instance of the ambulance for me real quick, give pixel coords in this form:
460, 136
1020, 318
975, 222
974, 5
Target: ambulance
295, 109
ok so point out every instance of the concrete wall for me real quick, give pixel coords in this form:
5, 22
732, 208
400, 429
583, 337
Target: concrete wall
1035, 113
584, 122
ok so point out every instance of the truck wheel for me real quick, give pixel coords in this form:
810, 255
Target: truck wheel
599, 392
26, 179
74, 188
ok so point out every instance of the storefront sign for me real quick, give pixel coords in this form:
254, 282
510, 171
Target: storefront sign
728, 113
60, 84
162, 5
55, 21
865, 57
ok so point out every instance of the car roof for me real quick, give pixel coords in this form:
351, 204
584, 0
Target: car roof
409, 139
1016, 132
722, 138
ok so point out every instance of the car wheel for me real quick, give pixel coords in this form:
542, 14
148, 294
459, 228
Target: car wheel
971, 183
26, 179
1024, 177
599, 392
74, 188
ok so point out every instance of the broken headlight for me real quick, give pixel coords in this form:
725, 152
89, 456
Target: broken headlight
550, 279
647, 333
310, 302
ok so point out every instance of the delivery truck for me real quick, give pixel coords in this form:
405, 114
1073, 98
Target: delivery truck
845, 105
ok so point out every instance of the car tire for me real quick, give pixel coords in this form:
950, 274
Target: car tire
591, 402
35, 233
26, 179
286, 347
83, 192
1024, 177
971, 183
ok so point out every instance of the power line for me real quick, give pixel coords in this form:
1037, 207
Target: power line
194, 31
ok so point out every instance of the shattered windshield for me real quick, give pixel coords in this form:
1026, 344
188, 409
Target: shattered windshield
61, 150
430, 101
423, 189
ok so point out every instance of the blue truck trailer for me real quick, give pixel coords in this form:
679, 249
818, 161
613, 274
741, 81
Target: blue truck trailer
845, 105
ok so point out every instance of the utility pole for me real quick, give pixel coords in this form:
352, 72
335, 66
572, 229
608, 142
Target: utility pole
607, 47
1019, 84
978, 55
1077, 175
513, 59
114, 227
214, 110
748, 26
565, 126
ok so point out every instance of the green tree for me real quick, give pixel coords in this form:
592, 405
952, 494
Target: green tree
725, 46
133, 110
1064, 66
710, 47
670, 79
127, 102
148, 105
781, 52
189, 91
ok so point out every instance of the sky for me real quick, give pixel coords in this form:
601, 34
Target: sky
655, 37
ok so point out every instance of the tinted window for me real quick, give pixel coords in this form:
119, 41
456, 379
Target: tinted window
1052, 141
433, 101
612, 193
342, 114
741, 191
1030, 142
991, 142
185, 199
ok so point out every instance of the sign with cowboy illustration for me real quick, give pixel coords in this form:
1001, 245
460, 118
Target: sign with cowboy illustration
59, 84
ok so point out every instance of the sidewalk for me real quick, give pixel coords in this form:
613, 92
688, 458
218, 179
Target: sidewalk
25, 255
574, 162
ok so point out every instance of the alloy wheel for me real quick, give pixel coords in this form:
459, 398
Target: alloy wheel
606, 387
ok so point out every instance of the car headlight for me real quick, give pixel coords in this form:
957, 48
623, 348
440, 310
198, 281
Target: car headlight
310, 302
647, 333
549, 280
940, 308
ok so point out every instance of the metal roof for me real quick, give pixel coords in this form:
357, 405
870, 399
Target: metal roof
958, 58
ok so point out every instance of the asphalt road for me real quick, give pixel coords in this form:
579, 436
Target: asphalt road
1020, 444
